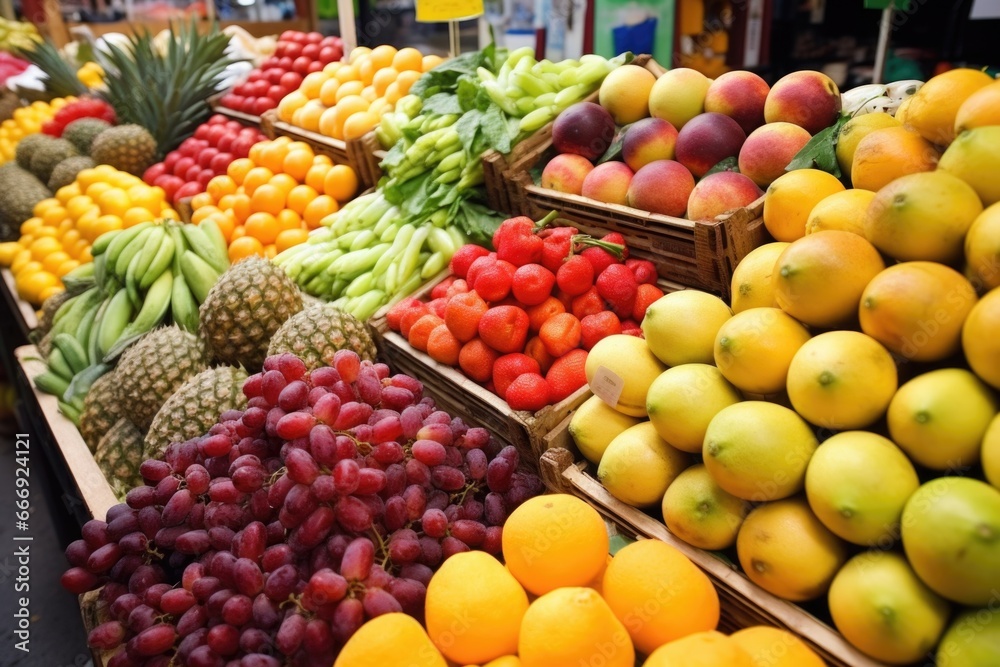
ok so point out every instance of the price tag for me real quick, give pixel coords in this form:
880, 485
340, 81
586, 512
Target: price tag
448, 10
607, 386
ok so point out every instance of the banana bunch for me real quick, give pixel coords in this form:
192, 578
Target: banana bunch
139, 275
366, 255
17, 35
536, 91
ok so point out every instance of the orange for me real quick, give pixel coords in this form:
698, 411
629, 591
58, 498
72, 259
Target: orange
407, 79
239, 231
220, 186
705, 649
322, 160
430, 61
263, 227
383, 78
283, 182
267, 198
289, 219
554, 540
312, 83
238, 168
299, 197
885, 155
204, 212
225, 203
241, 207
390, 640
297, 164
319, 208
573, 626
408, 58
70, 237
382, 55
328, 92
114, 202
347, 73
256, 177
272, 155
359, 123
202, 199
340, 182
245, 247
290, 237
135, 215
772, 647
349, 89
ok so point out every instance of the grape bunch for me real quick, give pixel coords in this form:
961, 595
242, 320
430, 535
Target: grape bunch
331, 499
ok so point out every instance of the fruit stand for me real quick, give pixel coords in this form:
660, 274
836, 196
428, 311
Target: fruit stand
380, 358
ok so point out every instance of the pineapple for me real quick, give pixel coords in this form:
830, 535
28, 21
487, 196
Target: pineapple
193, 408
81, 133
317, 332
65, 172
48, 155
128, 148
119, 455
150, 371
244, 310
49, 308
101, 410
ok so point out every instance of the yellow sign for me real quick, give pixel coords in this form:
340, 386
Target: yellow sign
430, 11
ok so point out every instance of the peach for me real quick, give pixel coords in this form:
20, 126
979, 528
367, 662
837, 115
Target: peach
769, 149
740, 95
720, 192
608, 183
663, 186
585, 128
566, 172
678, 95
808, 98
647, 140
707, 140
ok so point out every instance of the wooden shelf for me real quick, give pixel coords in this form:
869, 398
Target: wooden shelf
24, 313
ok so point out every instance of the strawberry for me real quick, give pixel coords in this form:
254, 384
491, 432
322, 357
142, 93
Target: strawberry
588, 303
576, 275
441, 289
438, 306
567, 374
409, 318
529, 392
535, 349
616, 285
521, 249
643, 270
493, 283
631, 328
598, 326
464, 257
644, 298
509, 367
395, 314
602, 254
504, 328
522, 225
459, 286
555, 250
532, 284
478, 265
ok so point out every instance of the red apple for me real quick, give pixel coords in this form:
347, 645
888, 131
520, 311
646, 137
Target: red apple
192, 173
290, 80
189, 189
169, 184
301, 65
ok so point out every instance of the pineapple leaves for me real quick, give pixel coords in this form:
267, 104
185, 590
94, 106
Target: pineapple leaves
60, 78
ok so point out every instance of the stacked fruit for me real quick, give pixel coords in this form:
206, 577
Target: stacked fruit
347, 99
266, 203
894, 367
521, 320
295, 519
295, 55
27, 120
91, 75
17, 34
186, 170
86, 107
584, 608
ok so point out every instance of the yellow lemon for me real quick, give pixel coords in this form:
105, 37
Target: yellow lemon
684, 399
752, 285
974, 157
638, 466
700, 512
982, 249
571, 626
790, 199
844, 211
625, 93
680, 327
755, 347
934, 108
979, 340
594, 425
980, 109
854, 131
390, 640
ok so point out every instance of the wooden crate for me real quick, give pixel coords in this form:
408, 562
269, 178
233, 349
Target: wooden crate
247, 119
28, 316
743, 603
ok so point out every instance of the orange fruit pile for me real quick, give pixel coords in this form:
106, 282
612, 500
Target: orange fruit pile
269, 201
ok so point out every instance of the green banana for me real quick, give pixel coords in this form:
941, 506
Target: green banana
50, 383
203, 246
121, 241
57, 364
93, 354
81, 305
131, 250
63, 309
154, 307
81, 383
72, 351
215, 235
183, 307
79, 279
101, 243
160, 262
70, 411
116, 318
148, 252
83, 332
100, 269
200, 276
131, 286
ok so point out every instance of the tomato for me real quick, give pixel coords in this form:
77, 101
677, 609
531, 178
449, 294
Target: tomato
241, 145
189, 189
292, 50
288, 36
192, 173
315, 66
274, 75
332, 40
226, 141
221, 161
217, 119
264, 104
202, 131
154, 172
170, 184
275, 93
205, 157
215, 133
248, 105
270, 62
182, 165
290, 81
301, 65
311, 51
285, 63
314, 38
330, 54
204, 177
171, 159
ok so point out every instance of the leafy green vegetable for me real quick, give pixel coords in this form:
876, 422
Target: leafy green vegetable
441, 104
727, 164
820, 151
444, 77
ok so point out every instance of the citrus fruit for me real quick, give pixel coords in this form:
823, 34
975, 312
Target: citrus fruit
974, 157
638, 466
951, 535
620, 369
933, 109
844, 211
979, 109
790, 199
473, 591
773, 647
390, 640
572, 626
972, 640
916, 309
594, 425
684, 399
625, 93
842, 380
979, 340
659, 594
982, 249
885, 155
680, 327
882, 608
755, 347
752, 285
922, 216
785, 550
698, 510
704, 649
505, 661
857, 484
758, 451
554, 540
854, 131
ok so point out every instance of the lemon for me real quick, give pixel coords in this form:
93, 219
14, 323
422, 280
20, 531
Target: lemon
698, 510
752, 286
680, 327
935, 106
773, 647
703, 649
982, 249
882, 608
857, 484
979, 340
755, 347
594, 425
972, 640
390, 640
885, 155
684, 399
991, 452
844, 211
854, 131
638, 466
981, 108
790, 199
620, 369
939, 418
974, 157
759, 451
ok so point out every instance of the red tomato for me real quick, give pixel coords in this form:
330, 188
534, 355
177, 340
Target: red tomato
181, 166
301, 65
192, 173
170, 184
290, 81
241, 145
154, 172
275, 93
264, 104
204, 177
170, 160
221, 162
189, 189
311, 51
205, 157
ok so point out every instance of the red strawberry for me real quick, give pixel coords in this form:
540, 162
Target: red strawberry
616, 284
438, 306
395, 314
509, 367
643, 270
529, 392
567, 374
532, 284
617, 239
410, 317
588, 303
522, 225
555, 249
458, 287
576, 275
521, 249
464, 257
478, 265
441, 289
632, 328
493, 283
598, 326
504, 328
644, 298
602, 254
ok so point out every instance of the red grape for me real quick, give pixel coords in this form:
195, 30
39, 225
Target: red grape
238, 610
290, 634
353, 514
294, 425
281, 583
447, 478
106, 636
348, 365
301, 466
224, 639
155, 640
293, 396
428, 452
358, 559
377, 602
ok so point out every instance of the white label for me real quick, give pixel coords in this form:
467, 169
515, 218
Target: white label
607, 386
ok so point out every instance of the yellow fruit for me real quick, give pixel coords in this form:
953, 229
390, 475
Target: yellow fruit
902, 110
474, 608
698, 510
505, 661
755, 347
790, 199
842, 380
625, 93
638, 466
885, 155
31, 282
972, 640
43, 246
916, 309
594, 425
554, 540
704, 649
979, 340
854, 131
390, 640
573, 626
857, 485
620, 369
982, 249
991, 452
684, 399
980, 109
844, 211
922, 217
54, 260
680, 327
773, 647
678, 95
743, 457
974, 157
8, 251
21, 258
752, 282
785, 550
819, 278
939, 418
934, 107
359, 123
430, 61
882, 608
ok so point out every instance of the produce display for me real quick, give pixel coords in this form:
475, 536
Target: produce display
26, 121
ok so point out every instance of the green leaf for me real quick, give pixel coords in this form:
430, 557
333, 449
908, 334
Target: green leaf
442, 104
820, 151
615, 149
618, 542
727, 164
466, 94
494, 126
478, 222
